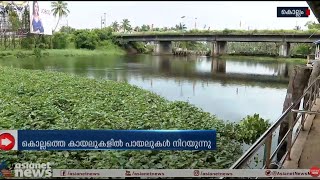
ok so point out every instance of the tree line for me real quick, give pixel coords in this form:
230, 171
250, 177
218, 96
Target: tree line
68, 37
125, 26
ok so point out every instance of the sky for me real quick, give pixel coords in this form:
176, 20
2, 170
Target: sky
214, 14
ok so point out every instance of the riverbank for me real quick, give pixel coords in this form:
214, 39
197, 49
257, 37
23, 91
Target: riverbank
32, 99
266, 59
119, 51
60, 52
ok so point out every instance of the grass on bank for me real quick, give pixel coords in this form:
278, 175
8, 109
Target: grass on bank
61, 52
119, 51
82, 52
31, 99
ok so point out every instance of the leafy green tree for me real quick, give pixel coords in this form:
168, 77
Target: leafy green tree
304, 49
14, 20
145, 28
139, 46
137, 29
86, 39
26, 20
172, 28
27, 42
15, 24
125, 25
115, 26
60, 9
104, 34
67, 29
44, 42
59, 40
312, 25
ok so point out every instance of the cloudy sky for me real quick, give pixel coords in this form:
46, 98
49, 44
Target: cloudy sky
214, 14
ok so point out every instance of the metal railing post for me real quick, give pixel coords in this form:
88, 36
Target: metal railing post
291, 119
315, 92
310, 98
303, 114
267, 154
317, 88
302, 121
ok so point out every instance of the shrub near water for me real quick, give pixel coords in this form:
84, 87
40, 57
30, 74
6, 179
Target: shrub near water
59, 40
86, 39
46, 100
251, 128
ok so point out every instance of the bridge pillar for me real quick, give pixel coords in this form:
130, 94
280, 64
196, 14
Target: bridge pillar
162, 48
218, 48
284, 49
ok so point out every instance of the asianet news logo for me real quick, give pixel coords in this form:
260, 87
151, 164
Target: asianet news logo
32, 170
5, 171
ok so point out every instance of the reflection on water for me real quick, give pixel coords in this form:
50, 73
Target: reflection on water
230, 89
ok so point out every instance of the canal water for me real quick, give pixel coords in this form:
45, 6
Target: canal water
228, 88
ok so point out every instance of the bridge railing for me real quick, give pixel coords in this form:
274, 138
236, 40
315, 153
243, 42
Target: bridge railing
268, 146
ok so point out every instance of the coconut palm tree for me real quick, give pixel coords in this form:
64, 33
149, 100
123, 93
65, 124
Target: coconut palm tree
115, 26
60, 9
126, 25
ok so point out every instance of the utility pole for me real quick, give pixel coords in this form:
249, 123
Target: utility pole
103, 20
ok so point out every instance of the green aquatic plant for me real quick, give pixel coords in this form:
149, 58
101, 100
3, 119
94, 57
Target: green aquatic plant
31, 99
251, 128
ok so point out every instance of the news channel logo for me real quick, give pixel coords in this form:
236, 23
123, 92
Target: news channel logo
293, 12
5, 171
25, 170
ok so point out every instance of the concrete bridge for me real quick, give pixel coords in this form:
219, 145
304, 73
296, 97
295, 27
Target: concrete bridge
219, 42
